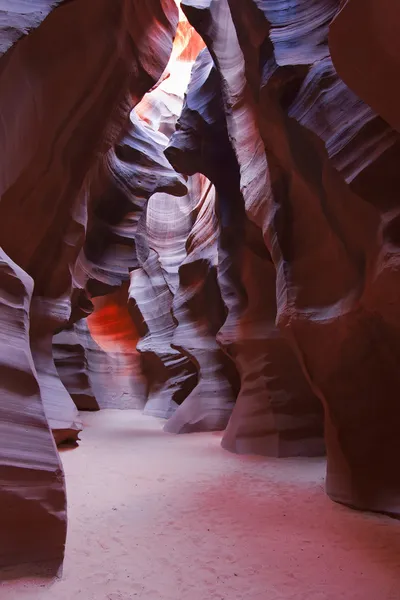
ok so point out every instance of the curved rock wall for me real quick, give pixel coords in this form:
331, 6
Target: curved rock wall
18, 19
199, 311
266, 276
365, 48
174, 292
63, 105
132, 172
161, 239
308, 151
53, 138
109, 338
70, 359
276, 413
158, 243
32, 492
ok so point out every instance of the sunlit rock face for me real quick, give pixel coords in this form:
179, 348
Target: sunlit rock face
131, 173
143, 214
314, 165
54, 139
109, 337
161, 238
199, 311
174, 294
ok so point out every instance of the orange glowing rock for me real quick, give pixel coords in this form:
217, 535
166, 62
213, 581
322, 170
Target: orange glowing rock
110, 325
175, 79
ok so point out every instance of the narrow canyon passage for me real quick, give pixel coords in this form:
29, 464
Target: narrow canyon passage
156, 516
199, 300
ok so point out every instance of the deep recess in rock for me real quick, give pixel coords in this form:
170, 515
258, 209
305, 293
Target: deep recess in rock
203, 224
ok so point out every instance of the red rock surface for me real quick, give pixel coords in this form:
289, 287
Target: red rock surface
62, 106
366, 33
32, 493
251, 289
161, 238
199, 311
19, 18
109, 337
276, 413
174, 293
313, 162
70, 359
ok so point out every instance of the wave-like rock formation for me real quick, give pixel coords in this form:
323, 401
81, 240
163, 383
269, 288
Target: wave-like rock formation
109, 338
52, 141
53, 138
161, 239
199, 311
132, 172
32, 492
71, 364
313, 160
129, 175
276, 413
176, 243
229, 259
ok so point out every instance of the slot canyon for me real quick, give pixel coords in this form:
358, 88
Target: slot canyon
199, 323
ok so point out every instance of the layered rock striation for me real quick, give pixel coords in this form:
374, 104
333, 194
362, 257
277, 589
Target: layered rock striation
63, 106
32, 491
72, 367
229, 261
276, 413
109, 338
313, 160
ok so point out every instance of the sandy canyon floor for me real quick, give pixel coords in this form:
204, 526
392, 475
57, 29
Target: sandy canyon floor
159, 517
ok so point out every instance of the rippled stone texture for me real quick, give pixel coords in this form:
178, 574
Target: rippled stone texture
32, 493
199, 311
174, 374
71, 364
161, 239
135, 170
276, 413
109, 337
69, 128
182, 361
313, 161
128, 176
53, 136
